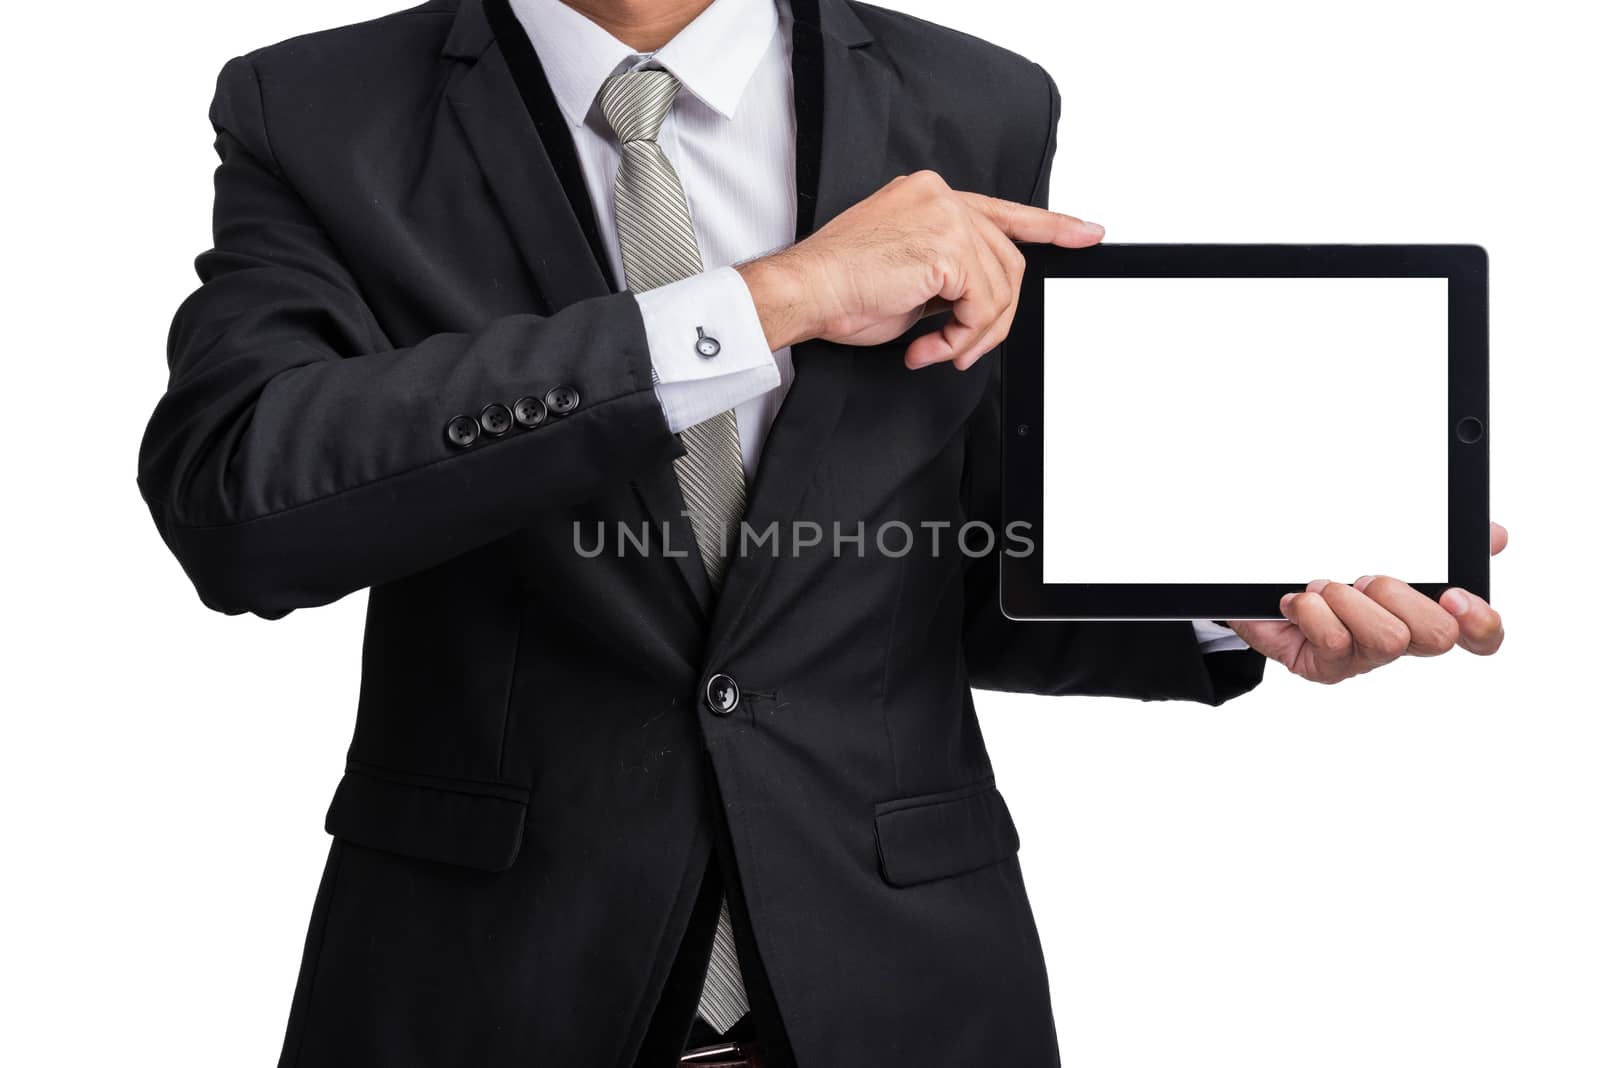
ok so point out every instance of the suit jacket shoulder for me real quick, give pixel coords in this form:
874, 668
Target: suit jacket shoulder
369, 43
994, 100
324, 88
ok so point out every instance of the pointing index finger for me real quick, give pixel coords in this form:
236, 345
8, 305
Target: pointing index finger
1023, 222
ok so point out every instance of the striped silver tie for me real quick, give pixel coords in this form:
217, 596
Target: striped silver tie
659, 246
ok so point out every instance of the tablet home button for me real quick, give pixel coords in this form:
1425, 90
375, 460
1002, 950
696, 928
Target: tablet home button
1470, 430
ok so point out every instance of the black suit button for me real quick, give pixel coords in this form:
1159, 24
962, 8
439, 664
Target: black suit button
722, 695
462, 431
562, 399
495, 419
529, 412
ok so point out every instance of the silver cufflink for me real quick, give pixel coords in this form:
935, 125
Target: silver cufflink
706, 346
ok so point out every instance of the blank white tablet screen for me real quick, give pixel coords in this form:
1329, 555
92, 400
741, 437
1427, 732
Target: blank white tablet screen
1245, 430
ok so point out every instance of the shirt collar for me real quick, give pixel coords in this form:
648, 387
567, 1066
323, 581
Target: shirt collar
713, 57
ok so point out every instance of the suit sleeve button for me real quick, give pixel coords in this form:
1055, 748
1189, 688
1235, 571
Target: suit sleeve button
461, 431
529, 412
562, 399
495, 419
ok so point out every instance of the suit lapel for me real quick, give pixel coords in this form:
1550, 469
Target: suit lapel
843, 96
527, 71
520, 175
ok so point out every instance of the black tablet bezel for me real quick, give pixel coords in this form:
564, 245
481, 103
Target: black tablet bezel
1023, 592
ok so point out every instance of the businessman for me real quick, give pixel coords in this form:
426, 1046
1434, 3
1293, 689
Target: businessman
497, 280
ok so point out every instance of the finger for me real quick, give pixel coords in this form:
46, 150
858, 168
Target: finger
1011, 264
1000, 293
1023, 222
1014, 263
1329, 639
990, 340
972, 310
1433, 630
1481, 628
1379, 634
1497, 538
987, 292
984, 344
938, 346
1276, 638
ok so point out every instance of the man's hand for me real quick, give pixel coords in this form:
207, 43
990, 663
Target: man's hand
914, 247
1334, 631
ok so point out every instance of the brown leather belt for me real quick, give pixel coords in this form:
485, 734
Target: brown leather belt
724, 1055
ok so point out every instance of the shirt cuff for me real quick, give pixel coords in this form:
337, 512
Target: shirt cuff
705, 313
1215, 638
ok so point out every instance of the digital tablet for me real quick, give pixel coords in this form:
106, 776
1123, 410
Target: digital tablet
1192, 431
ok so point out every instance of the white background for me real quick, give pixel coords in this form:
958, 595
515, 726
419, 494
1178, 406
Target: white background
1138, 370
1399, 871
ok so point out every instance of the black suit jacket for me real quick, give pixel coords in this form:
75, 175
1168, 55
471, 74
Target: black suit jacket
537, 789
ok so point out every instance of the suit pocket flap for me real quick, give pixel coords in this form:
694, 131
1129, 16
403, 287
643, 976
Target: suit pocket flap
467, 824
938, 835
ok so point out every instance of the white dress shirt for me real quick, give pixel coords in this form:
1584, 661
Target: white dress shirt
731, 137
